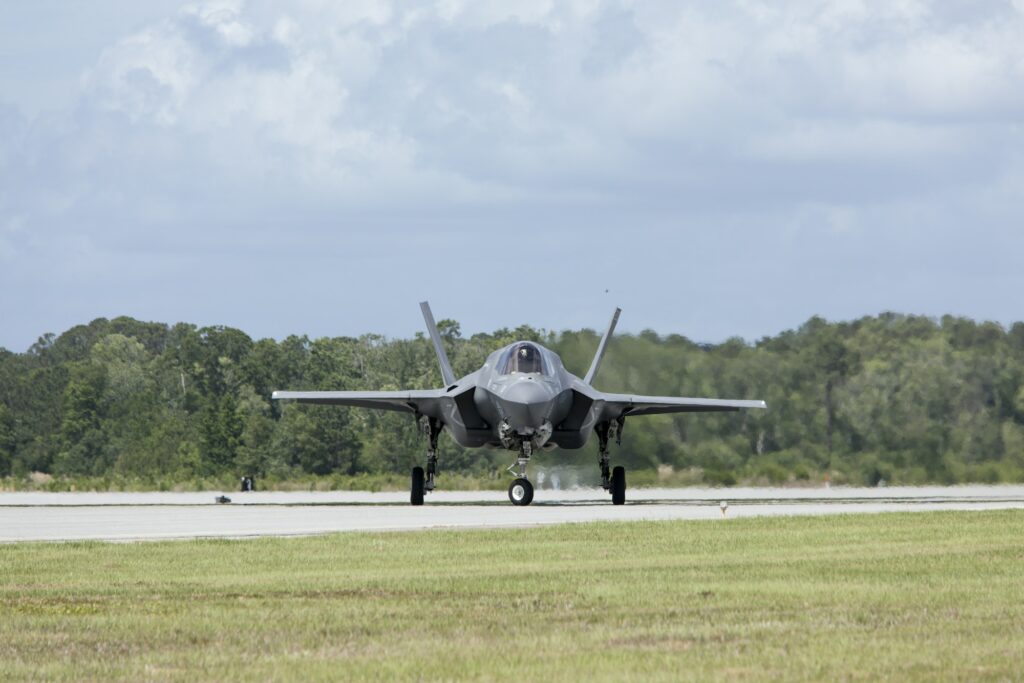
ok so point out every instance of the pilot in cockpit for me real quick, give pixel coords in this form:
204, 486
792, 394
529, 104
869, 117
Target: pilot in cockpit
524, 358
527, 359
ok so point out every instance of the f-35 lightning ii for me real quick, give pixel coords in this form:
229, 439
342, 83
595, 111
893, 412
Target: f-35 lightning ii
522, 399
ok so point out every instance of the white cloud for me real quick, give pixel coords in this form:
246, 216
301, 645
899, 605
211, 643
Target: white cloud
357, 88
224, 17
147, 76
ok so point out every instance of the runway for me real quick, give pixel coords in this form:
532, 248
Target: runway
150, 516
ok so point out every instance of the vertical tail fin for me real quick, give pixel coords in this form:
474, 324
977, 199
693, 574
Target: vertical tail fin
442, 358
596, 364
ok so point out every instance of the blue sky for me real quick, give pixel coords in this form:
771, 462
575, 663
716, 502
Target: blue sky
716, 169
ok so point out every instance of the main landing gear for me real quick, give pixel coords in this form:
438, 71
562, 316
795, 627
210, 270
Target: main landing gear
423, 480
612, 481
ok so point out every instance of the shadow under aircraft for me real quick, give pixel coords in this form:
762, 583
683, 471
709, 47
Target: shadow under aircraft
522, 399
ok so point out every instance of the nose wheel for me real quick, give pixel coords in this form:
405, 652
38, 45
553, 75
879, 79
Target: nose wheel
520, 492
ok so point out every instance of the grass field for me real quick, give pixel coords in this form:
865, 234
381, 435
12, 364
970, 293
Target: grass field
898, 596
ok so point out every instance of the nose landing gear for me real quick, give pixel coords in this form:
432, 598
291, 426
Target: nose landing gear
520, 491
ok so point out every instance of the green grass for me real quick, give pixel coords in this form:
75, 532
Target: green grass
863, 597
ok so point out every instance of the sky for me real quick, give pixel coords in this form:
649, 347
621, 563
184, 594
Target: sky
716, 169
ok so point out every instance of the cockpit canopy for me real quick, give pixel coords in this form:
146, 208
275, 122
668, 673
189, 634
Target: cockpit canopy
523, 357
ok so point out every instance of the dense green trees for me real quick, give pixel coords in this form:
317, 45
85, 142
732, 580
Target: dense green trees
905, 399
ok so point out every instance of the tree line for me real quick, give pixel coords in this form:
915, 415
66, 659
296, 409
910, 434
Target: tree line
893, 398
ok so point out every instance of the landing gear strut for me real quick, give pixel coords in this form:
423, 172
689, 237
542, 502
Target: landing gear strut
612, 481
423, 480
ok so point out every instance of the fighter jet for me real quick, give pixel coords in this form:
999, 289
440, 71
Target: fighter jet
523, 400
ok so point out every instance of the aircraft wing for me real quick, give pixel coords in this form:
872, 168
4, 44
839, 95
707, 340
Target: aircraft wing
411, 401
621, 405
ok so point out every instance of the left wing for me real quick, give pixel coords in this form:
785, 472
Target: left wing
621, 405
424, 401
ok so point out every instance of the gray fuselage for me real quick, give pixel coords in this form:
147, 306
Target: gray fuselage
514, 400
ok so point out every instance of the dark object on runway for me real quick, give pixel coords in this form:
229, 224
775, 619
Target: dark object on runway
222, 499
522, 399
248, 484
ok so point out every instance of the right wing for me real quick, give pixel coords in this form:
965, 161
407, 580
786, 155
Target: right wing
621, 405
424, 401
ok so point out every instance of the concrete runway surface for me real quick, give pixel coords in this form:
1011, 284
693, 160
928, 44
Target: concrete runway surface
147, 516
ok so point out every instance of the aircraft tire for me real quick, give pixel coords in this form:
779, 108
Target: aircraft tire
416, 497
619, 485
520, 492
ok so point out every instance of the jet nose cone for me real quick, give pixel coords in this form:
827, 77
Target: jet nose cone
527, 391
526, 403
